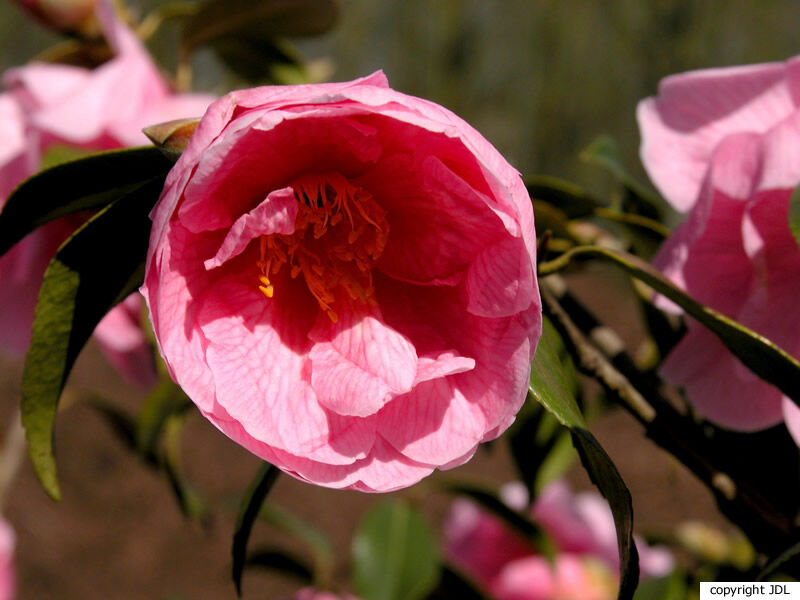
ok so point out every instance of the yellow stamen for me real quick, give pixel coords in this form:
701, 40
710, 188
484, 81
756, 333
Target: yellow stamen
340, 232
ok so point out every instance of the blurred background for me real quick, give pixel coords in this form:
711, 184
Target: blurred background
541, 79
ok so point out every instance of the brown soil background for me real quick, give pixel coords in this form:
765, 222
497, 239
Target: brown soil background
118, 532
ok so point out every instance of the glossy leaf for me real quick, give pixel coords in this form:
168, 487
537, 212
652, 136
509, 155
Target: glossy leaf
259, 19
85, 184
794, 214
394, 554
760, 355
96, 268
249, 507
553, 378
553, 387
605, 476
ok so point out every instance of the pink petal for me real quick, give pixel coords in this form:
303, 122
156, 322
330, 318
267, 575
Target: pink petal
433, 209
433, 424
694, 111
501, 281
21, 272
124, 343
720, 387
791, 414
358, 364
276, 214
221, 189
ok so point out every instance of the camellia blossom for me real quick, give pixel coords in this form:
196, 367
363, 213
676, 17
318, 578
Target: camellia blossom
48, 105
341, 277
725, 144
581, 527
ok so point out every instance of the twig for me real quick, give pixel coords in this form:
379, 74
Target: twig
767, 526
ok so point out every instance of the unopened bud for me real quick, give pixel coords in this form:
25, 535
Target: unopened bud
172, 137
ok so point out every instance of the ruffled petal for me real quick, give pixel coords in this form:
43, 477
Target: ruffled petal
358, 363
694, 111
276, 214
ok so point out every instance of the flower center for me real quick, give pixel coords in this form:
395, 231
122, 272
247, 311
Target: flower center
339, 234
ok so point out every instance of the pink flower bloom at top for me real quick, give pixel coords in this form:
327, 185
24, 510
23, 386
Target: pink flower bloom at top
726, 143
341, 277
98, 109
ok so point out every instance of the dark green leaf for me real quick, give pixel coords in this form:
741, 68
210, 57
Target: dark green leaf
317, 542
282, 561
605, 476
794, 214
85, 184
58, 154
553, 378
99, 266
165, 400
552, 385
259, 19
760, 355
249, 507
394, 554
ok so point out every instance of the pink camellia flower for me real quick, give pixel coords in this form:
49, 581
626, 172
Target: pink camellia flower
100, 109
725, 143
341, 277
580, 525
8, 579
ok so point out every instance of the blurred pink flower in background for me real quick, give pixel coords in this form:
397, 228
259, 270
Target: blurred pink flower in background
569, 577
8, 578
581, 527
100, 109
725, 144
315, 594
342, 278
